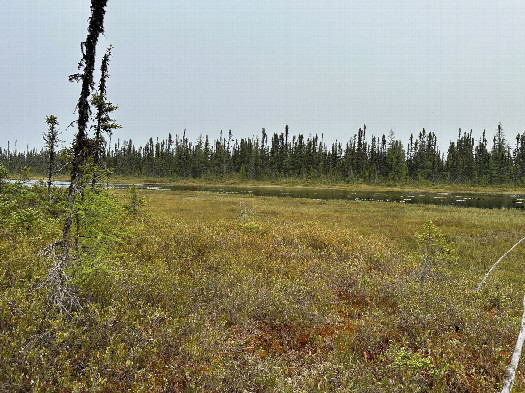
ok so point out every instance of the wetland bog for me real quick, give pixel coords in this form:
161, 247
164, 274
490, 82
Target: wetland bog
327, 291
203, 291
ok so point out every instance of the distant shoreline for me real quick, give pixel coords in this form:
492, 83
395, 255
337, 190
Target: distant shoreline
309, 184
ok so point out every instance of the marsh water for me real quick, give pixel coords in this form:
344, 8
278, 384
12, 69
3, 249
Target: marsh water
485, 201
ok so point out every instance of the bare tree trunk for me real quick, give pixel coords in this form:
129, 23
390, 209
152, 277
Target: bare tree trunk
493, 266
508, 381
510, 374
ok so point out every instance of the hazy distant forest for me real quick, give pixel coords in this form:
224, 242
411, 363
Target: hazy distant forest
490, 160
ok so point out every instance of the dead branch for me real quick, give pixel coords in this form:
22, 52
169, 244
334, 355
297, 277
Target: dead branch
508, 381
62, 168
245, 210
63, 296
50, 250
493, 266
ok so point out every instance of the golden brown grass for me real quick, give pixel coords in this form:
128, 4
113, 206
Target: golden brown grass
295, 295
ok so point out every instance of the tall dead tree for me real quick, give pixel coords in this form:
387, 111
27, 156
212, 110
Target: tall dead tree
81, 145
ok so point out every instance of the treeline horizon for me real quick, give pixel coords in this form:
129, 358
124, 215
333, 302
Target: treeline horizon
284, 155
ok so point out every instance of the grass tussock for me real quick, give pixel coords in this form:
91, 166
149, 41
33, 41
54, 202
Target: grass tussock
291, 296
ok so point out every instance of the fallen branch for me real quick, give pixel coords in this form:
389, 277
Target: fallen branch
493, 266
508, 381
50, 250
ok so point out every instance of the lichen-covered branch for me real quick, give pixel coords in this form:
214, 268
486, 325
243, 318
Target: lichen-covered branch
508, 381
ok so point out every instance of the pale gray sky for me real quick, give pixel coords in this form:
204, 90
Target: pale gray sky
319, 66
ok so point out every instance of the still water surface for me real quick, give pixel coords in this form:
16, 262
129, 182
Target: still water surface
484, 201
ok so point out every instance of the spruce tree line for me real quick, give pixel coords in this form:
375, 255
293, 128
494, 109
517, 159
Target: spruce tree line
295, 156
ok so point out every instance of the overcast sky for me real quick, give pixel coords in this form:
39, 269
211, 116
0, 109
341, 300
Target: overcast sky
319, 66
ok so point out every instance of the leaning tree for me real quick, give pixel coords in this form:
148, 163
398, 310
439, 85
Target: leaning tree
62, 295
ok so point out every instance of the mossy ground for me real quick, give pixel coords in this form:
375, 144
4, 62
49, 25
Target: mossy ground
210, 292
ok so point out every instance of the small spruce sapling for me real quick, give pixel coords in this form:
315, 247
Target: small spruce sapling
51, 139
25, 173
436, 252
135, 200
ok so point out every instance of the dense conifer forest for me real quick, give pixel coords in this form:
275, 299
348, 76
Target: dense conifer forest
492, 159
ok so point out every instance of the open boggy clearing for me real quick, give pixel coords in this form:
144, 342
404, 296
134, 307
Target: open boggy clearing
211, 292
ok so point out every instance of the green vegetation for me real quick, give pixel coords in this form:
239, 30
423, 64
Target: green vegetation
193, 291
